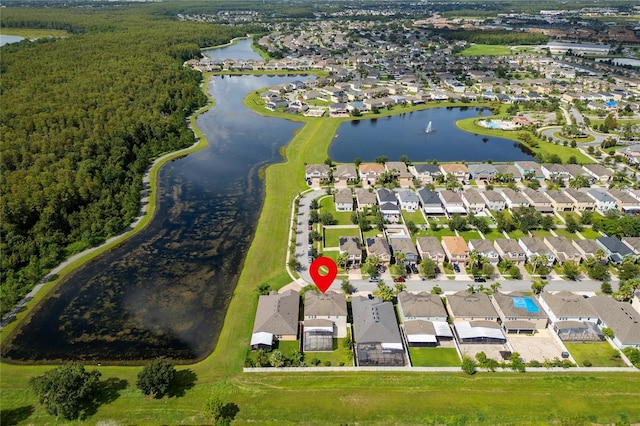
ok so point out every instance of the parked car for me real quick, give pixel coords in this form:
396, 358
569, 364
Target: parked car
438, 271
370, 296
456, 268
414, 268
310, 227
399, 280
408, 269
479, 280
381, 269
374, 279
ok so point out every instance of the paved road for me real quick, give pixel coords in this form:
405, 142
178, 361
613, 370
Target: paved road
302, 233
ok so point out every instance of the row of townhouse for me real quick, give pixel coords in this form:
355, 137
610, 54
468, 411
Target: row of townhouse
447, 202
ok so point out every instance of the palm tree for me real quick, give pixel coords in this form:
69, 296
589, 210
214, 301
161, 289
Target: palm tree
475, 258
537, 261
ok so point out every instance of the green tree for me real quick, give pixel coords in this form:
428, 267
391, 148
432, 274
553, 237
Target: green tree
428, 268
538, 286
66, 391
571, 270
468, 365
263, 289
155, 378
386, 293
213, 408
277, 359
347, 287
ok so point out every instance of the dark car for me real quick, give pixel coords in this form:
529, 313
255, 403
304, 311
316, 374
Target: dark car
438, 271
407, 268
414, 269
456, 267
399, 280
370, 296
479, 280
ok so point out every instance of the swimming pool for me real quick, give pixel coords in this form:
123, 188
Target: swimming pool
525, 303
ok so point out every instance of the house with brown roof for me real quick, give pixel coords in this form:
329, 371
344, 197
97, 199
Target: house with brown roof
425, 173
587, 248
625, 202
519, 314
330, 307
365, 199
599, 172
538, 200
466, 306
343, 200
473, 201
563, 249
379, 247
456, 249
404, 246
315, 173
572, 318
399, 169
494, 200
581, 201
486, 249
351, 246
421, 306
507, 171
276, 318
633, 243
619, 317
430, 248
560, 202
345, 173
370, 172
452, 202
514, 199
459, 171
534, 246
509, 249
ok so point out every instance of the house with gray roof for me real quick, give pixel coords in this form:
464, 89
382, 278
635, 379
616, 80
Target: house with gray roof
430, 247
408, 199
508, 170
599, 172
351, 246
529, 170
452, 202
514, 199
563, 249
573, 319
331, 307
615, 249
604, 202
404, 245
479, 332
385, 195
473, 201
390, 212
376, 333
625, 202
534, 246
466, 306
314, 173
619, 317
343, 200
587, 248
486, 249
519, 314
365, 199
494, 201
425, 173
276, 318
345, 173
538, 200
431, 203
635, 301
509, 249
581, 201
422, 333
482, 171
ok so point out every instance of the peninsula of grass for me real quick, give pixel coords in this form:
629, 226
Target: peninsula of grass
320, 398
543, 148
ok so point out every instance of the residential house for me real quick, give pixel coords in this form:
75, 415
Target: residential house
315, 173
625, 202
560, 202
484, 172
509, 249
563, 249
539, 202
575, 171
399, 169
615, 250
632, 153
529, 170
344, 200
620, 317
390, 212
506, 172
379, 247
431, 203
459, 171
376, 333
276, 319
466, 306
365, 199
534, 246
370, 172
555, 172
404, 245
479, 332
599, 172
486, 249
494, 200
351, 246
633, 243
424, 318
456, 249
473, 201
385, 195
587, 248
635, 301
581, 201
514, 199
345, 173
603, 201
430, 248
324, 312
519, 314
408, 199
452, 202
425, 173
572, 318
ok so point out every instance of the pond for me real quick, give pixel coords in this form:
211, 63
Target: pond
240, 50
406, 134
165, 291
6, 39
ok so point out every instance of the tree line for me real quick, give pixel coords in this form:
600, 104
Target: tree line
82, 119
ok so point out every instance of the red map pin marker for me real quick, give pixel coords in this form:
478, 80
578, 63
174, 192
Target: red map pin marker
323, 282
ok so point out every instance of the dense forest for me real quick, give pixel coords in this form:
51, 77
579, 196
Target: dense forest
82, 118
496, 37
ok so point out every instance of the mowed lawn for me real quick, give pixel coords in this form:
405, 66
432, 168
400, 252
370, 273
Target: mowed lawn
486, 50
434, 357
600, 354
332, 235
327, 205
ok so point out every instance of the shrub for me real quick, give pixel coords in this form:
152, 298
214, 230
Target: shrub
586, 363
155, 378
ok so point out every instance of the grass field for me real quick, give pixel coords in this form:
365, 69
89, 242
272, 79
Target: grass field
517, 234
600, 354
486, 50
416, 217
332, 236
590, 234
562, 232
470, 235
339, 355
493, 235
434, 357
541, 233
327, 205
371, 398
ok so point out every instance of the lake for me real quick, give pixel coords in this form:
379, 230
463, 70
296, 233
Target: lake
165, 291
405, 134
240, 50
6, 39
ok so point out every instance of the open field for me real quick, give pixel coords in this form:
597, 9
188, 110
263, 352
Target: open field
372, 398
486, 50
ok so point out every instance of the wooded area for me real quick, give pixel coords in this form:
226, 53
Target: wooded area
82, 118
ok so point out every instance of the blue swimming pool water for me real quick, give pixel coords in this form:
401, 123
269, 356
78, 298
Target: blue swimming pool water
490, 124
525, 303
